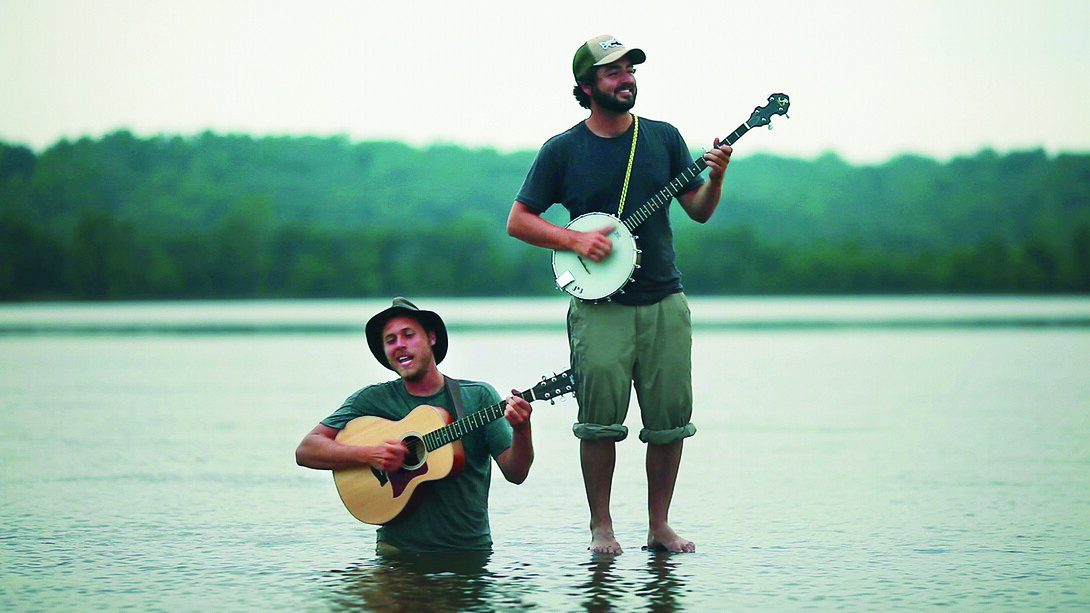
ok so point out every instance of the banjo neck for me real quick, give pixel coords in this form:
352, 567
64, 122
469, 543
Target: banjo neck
666, 194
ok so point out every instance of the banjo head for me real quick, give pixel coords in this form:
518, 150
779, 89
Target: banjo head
586, 279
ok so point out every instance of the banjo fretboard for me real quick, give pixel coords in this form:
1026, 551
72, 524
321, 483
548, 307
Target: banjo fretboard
760, 116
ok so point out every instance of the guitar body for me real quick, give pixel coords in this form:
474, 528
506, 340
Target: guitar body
434, 449
589, 280
378, 497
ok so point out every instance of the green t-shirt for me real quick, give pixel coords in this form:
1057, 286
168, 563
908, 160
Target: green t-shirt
453, 515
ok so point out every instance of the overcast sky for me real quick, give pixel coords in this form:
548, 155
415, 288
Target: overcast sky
867, 80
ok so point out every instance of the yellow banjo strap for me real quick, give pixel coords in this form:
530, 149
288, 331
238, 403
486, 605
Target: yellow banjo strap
631, 157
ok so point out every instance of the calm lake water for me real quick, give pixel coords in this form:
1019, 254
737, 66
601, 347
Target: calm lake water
852, 454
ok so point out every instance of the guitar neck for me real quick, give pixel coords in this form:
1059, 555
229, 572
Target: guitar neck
461, 427
666, 194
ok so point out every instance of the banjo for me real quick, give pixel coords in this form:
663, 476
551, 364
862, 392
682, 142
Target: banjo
586, 279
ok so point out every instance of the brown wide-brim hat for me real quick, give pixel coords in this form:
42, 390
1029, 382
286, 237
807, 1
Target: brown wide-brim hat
431, 322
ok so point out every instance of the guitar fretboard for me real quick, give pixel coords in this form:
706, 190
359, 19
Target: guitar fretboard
461, 427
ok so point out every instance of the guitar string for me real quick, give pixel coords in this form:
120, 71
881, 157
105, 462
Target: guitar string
458, 429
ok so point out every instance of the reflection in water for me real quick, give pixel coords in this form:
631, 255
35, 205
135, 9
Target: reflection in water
606, 590
465, 582
437, 583
664, 582
602, 588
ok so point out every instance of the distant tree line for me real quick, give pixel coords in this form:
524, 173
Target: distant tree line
230, 216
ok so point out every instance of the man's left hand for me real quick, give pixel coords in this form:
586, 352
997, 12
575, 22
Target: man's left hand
517, 411
717, 160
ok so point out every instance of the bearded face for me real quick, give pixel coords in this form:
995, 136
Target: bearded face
614, 87
619, 100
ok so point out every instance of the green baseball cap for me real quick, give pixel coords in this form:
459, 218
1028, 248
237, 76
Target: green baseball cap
602, 50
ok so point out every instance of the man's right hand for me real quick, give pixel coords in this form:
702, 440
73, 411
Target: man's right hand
595, 244
388, 456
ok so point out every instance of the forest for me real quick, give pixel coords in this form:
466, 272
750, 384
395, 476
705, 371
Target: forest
212, 216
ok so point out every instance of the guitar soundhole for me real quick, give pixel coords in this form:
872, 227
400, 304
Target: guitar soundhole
416, 454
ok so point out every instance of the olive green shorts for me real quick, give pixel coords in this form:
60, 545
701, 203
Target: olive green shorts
615, 348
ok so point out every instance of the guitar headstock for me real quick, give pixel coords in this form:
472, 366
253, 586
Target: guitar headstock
551, 387
762, 115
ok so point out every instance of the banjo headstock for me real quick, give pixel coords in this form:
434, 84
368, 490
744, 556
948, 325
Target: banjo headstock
762, 115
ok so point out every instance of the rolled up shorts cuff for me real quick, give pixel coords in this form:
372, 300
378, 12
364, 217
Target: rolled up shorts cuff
593, 432
665, 437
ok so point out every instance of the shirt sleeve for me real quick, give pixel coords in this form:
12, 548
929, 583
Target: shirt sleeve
367, 401
539, 188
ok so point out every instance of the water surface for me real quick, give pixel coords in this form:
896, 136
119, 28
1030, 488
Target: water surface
147, 462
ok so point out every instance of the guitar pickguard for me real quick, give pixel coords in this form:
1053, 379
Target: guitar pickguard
380, 475
399, 479
402, 478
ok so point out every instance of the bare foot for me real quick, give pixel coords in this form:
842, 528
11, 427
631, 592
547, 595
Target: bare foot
602, 541
665, 539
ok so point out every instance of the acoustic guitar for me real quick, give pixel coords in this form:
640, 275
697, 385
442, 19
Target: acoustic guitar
589, 280
434, 452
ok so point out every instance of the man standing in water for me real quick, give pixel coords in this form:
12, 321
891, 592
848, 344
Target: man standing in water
454, 513
643, 337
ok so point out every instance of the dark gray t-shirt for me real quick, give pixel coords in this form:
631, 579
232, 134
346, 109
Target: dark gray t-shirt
585, 173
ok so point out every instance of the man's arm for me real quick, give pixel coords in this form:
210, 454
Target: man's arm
526, 224
700, 203
515, 461
319, 449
